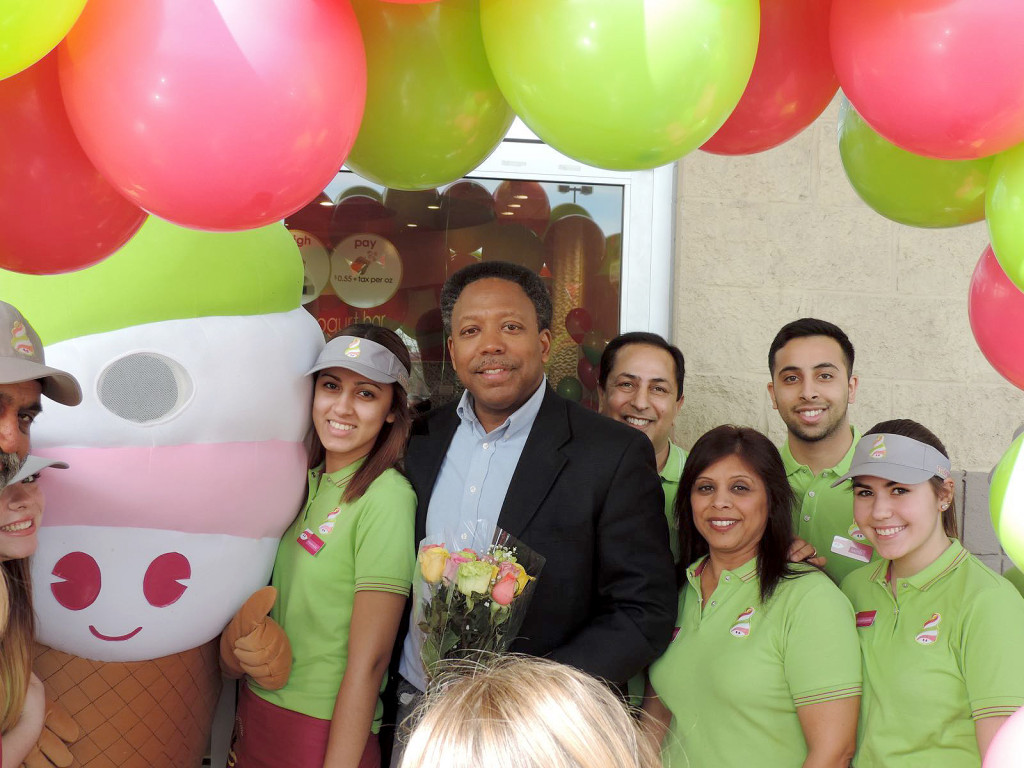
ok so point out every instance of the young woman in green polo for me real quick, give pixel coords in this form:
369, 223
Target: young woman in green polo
764, 668
343, 569
940, 632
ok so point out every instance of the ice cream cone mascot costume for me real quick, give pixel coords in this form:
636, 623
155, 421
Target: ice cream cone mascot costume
187, 466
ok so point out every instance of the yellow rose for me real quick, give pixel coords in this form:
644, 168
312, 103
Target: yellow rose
522, 579
432, 562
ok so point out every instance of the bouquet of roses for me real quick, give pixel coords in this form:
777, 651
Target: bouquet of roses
472, 601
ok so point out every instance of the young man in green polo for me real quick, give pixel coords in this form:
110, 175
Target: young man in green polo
812, 385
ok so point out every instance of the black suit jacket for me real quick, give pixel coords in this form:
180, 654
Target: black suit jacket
586, 495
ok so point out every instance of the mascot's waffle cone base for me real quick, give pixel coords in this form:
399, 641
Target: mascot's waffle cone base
136, 714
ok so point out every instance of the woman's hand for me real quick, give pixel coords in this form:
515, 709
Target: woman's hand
800, 550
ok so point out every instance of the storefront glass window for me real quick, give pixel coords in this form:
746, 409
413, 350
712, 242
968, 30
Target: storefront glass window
380, 255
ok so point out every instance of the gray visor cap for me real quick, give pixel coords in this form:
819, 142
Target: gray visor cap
897, 458
373, 360
33, 464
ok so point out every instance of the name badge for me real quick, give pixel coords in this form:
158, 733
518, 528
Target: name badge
852, 549
310, 542
865, 618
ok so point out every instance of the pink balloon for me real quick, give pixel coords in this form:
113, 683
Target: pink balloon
216, 114
792, 82
1008, 745
995, 307
58, 212
940, 78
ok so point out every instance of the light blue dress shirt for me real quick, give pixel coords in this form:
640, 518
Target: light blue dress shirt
471, 486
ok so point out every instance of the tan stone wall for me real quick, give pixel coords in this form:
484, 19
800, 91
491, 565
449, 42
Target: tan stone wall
765, 239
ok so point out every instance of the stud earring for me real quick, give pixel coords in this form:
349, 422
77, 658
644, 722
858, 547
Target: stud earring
944, 507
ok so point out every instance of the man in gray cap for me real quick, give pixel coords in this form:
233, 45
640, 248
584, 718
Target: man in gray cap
24, 378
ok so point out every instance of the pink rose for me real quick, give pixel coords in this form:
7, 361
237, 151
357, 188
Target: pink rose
451, 568
505, 590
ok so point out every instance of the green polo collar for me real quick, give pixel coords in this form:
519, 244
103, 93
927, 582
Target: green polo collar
793, 466
673, 469
338, 477
944, 564
744, 573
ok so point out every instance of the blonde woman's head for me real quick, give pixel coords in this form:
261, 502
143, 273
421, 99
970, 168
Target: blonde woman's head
525, 712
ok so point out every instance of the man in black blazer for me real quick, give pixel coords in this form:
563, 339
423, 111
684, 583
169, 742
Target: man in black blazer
580, 489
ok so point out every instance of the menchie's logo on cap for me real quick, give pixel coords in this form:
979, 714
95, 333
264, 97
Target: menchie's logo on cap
352, 350
20, 340
878, 448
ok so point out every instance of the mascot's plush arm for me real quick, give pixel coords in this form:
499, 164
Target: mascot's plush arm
59, 730
254, 644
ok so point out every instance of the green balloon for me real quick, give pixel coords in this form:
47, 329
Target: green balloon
568, 209
570, 388
1006, 501
908, 188
1004, 209
165, 272
32, 29
433, 109
593, 346
622, 84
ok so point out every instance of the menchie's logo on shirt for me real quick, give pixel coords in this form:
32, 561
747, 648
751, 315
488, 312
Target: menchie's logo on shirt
930, 632
742, 626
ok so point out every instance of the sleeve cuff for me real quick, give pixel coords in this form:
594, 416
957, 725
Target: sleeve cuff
996, 706
383, 584
832, 693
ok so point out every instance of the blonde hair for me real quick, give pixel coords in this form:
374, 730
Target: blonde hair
16, 633
525, 712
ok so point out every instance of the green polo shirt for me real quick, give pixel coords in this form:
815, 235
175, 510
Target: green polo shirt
670, 475
824, 512
737, 670
368, 545
944, 653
